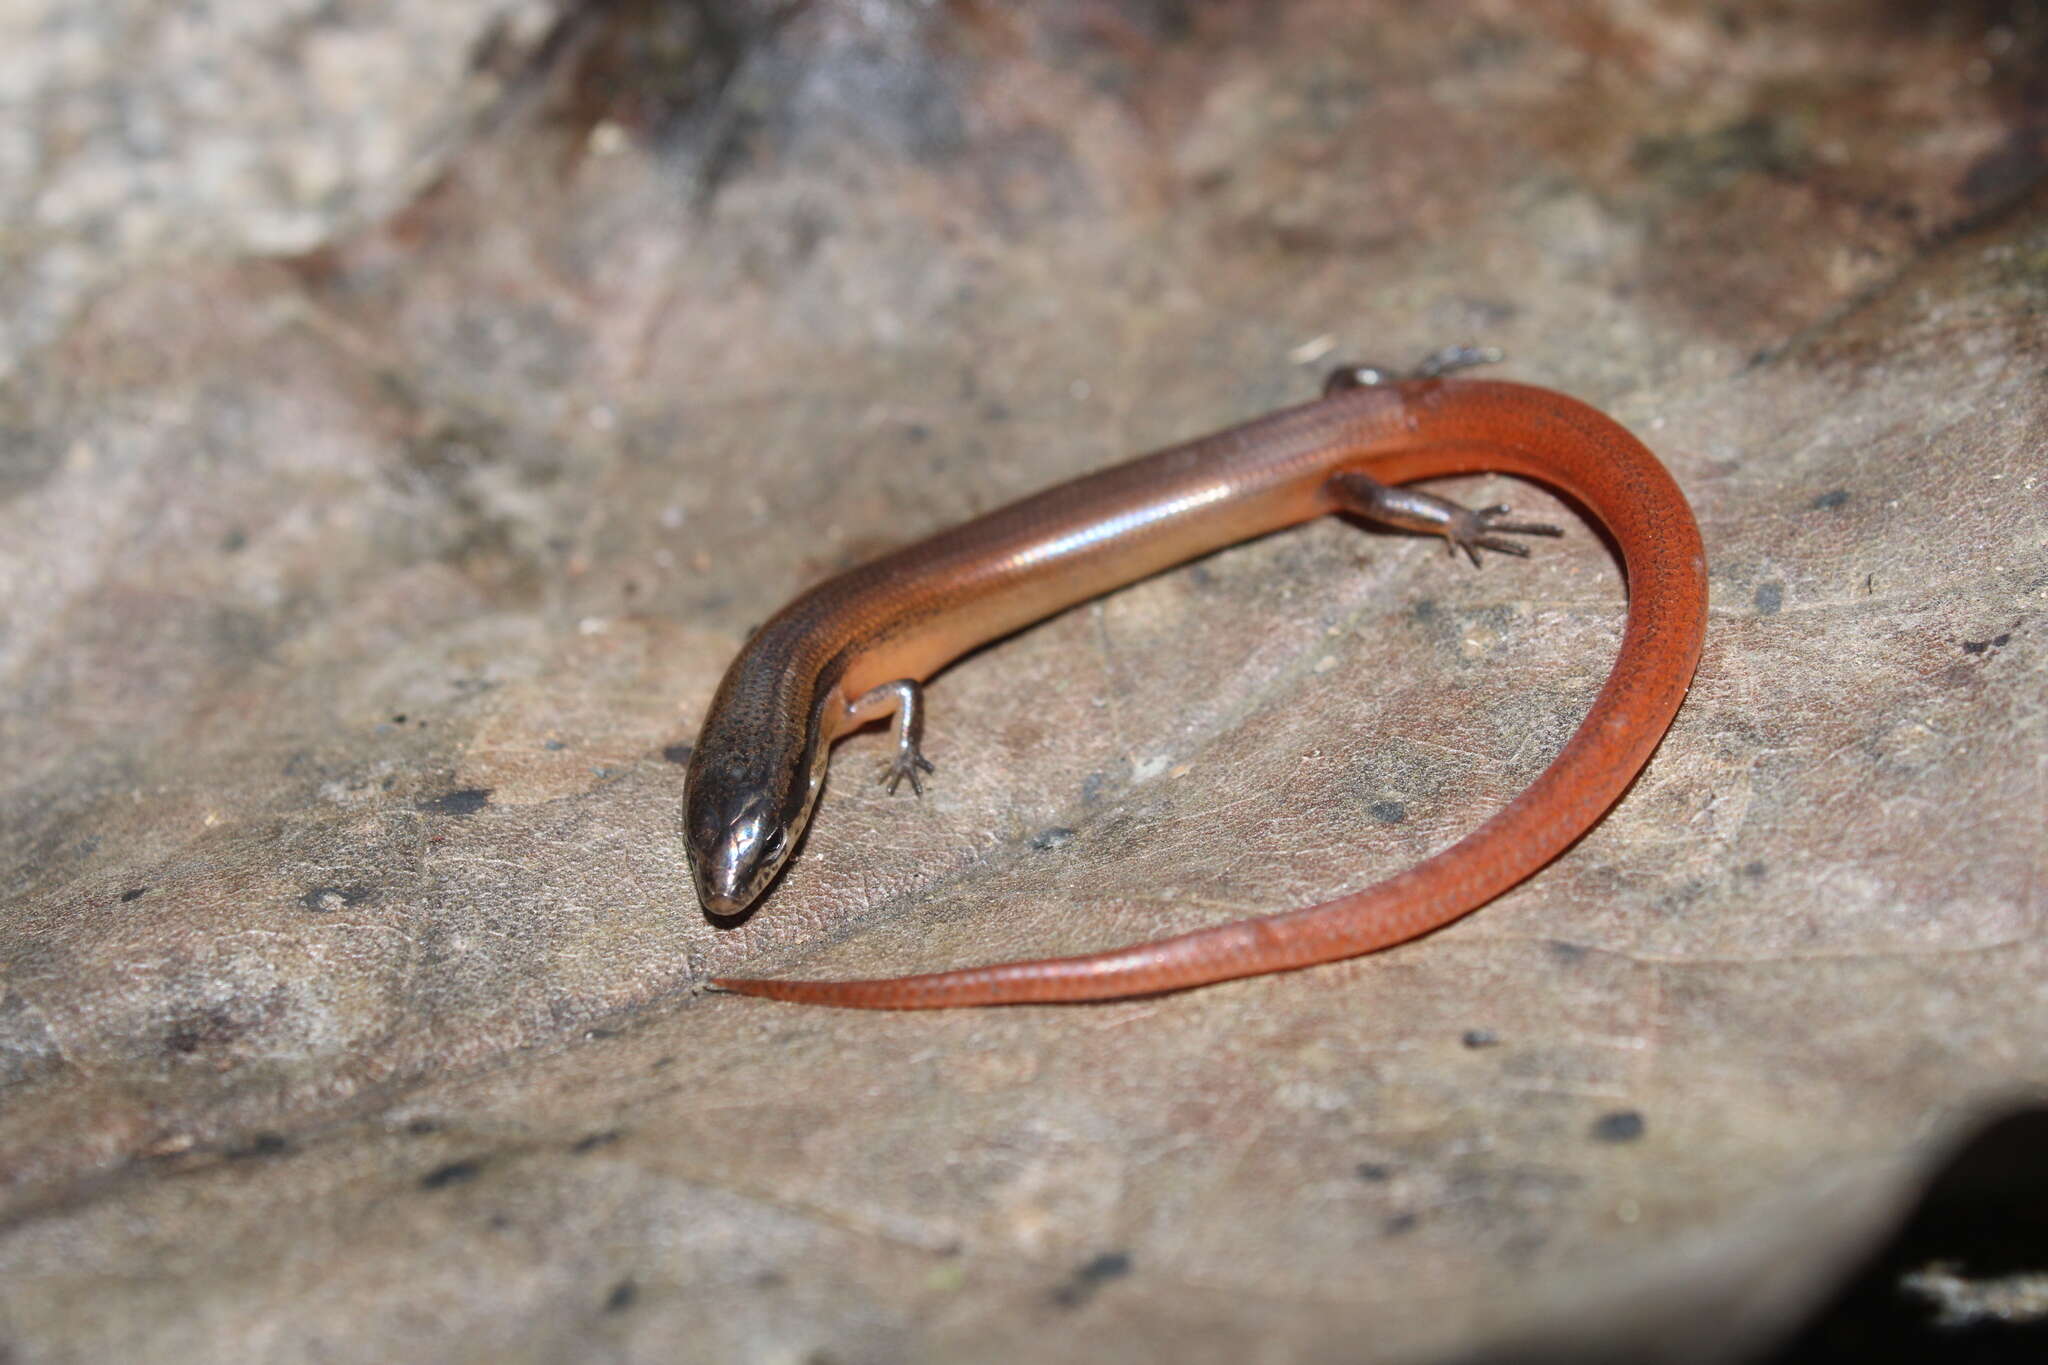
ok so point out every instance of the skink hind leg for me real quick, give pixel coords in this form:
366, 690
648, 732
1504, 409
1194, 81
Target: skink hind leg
1435, 365
906, 699
1411, 509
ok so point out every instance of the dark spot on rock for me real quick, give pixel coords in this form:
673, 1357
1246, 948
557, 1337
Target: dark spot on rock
594, 1141
769, 1279
917, 432
214, 1026
2008, 169
454, 1173
1401, 1223
1566, 952
1046, 840
622, 1296
468, 801
236, 539
678, 753
1984, 646
261, 1144
1698, 163
323, 898
1387, 812
134, 893
1375, 1172
1830, 500
1769, 598
1756, 869
1623, 1125
1110, 1265
1082, 1286
398, 719
1476, 1038
553, 746
662, 1063
423, 1127
1092, 785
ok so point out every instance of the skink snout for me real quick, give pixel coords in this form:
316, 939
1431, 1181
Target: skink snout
722, 885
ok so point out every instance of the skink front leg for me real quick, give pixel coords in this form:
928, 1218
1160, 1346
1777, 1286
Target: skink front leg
906, 699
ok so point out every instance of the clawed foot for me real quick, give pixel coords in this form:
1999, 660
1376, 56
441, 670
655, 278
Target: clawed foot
906, 766
1484, 529
1426, 514
906, 699
1435, 365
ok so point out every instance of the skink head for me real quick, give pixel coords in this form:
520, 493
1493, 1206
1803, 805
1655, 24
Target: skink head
741, 819
734, 857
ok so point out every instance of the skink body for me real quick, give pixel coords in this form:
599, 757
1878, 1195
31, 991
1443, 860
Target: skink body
853, 648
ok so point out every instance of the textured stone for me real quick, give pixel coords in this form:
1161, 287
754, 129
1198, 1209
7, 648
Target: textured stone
378, 510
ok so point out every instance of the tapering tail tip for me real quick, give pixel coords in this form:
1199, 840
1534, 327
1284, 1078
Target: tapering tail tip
845, 994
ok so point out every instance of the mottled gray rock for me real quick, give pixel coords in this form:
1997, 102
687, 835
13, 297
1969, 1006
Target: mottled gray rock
366, 566
164, 130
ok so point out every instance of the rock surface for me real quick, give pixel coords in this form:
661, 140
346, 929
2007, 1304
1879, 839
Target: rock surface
405, 412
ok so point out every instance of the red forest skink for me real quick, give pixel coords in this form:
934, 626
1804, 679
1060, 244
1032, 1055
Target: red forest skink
854, 649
